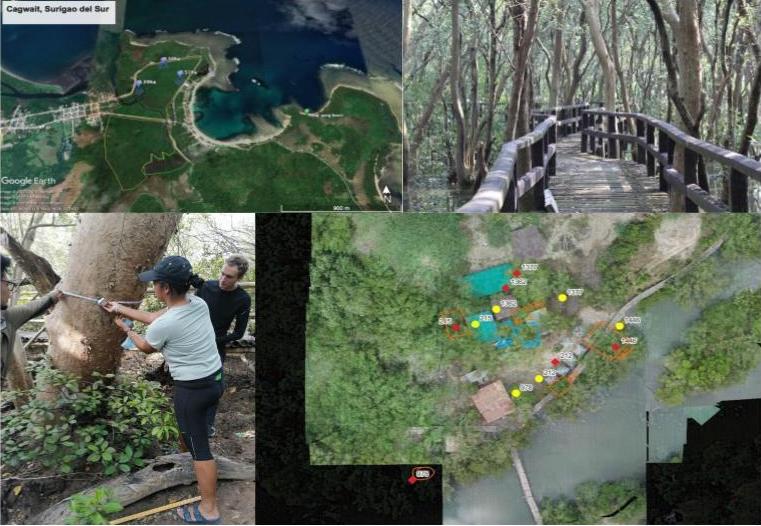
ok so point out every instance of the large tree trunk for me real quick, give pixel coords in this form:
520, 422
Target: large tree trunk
608, 67
107, 253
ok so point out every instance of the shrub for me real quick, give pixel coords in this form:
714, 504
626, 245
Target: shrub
92, 509
109, 423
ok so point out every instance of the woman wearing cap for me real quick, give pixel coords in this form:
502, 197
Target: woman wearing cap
183, 333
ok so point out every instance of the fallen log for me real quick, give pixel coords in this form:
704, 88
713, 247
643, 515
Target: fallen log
161, 473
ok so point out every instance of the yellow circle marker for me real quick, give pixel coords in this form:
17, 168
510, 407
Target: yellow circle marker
516, 393
496, 309
539, 378
475, 324
620, 325
562, 297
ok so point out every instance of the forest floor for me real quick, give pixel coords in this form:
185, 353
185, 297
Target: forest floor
234, 440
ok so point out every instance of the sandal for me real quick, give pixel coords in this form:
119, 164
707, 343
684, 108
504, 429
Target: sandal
192, 515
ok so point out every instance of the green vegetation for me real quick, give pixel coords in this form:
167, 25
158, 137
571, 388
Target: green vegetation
159, 88
741, 232
147, 203
618, 282
93, 509
498, 231
699, 285
109, 424
38, 155
104, 62
719, 349
594, 500
371, 402
421, 249
264, 178
130, 145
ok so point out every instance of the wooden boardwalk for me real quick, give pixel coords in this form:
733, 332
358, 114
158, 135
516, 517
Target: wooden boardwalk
587, 183
526, 486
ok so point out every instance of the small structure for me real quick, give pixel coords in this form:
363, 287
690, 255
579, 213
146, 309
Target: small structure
493, 402
451, 444
506, 312
474, 377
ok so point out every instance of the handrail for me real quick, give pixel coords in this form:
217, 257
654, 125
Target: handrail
503, 186
696, 193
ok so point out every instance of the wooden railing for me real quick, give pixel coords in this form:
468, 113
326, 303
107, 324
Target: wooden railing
656, 151
506, 183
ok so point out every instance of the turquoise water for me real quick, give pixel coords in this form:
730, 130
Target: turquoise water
489, 281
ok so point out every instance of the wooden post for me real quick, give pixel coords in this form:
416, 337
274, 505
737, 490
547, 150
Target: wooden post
662, 149
738, 192
551, 164
650, 139
640, 135
690, 176
583, 135
537, 161
612, 150
511, 200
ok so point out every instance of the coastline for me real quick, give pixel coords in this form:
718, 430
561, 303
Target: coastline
333, 76
217, 44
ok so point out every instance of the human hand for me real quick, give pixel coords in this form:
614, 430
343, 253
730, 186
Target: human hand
110, 306
122, 324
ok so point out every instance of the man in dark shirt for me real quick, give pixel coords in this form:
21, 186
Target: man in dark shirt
227, 301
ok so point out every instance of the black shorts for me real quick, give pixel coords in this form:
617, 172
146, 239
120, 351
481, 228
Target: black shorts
192, 401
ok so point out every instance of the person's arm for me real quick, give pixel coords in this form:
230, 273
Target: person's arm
241, 322
133, 314
18, 315
136, 338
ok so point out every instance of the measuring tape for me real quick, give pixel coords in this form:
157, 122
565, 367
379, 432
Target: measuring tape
97, 301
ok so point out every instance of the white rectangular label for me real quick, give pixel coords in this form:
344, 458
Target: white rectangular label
20, 12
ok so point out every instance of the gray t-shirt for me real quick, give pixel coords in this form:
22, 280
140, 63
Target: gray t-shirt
185, 337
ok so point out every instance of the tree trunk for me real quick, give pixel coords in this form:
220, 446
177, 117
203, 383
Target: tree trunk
524, 23
37, 269
608, 67
161, 473
107, 253
557, 60
456, 97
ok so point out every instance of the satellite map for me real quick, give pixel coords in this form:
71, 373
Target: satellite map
235, 105
546, 363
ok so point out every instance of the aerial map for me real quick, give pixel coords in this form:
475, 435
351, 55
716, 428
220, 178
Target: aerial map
545, 362
235, 105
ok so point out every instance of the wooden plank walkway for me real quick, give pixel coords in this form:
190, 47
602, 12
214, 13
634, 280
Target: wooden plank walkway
526, 486
587, 183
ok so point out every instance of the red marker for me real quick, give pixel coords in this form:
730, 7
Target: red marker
615, 346
420, 474
456, 327
505, 288
516, 273
555, 362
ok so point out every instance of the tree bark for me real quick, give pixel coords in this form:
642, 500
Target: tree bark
608, 67
524, 23
37, 269
162, 473
107, 253
557, 59
456, 97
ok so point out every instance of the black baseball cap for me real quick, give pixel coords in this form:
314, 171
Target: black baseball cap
172, 269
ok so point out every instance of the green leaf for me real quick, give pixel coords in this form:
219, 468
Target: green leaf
111, 507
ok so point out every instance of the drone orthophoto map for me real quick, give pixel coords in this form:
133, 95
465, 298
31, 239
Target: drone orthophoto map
544, 361
234, 105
